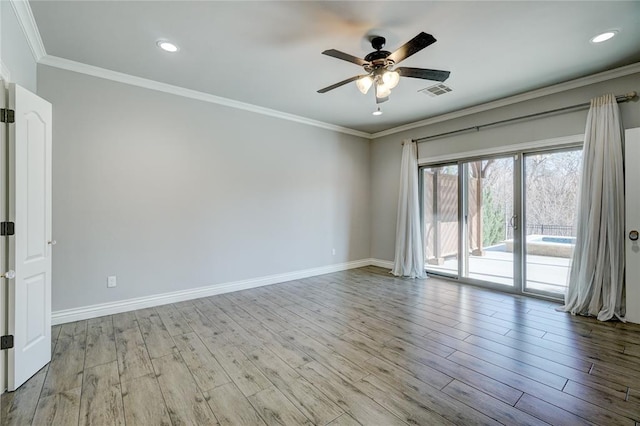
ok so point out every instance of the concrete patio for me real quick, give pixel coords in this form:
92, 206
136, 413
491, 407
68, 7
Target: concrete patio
544, 273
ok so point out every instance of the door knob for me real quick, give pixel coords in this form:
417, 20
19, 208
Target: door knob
53, 242
633, 235
10, 274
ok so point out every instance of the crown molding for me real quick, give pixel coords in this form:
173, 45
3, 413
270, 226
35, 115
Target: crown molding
29, 27
66, 64
538, 93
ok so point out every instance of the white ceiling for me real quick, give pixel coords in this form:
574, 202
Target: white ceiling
268, 53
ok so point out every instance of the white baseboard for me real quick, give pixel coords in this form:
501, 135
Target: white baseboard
381, 263
94, 311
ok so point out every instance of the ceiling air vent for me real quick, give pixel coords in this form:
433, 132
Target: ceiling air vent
436, 90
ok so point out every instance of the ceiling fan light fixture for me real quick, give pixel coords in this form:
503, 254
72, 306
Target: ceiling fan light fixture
382, 90
391, 79
377, 112
364, 84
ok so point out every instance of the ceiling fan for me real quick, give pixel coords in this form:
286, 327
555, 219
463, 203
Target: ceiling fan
379, 65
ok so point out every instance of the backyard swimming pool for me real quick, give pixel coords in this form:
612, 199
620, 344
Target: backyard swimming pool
544, 245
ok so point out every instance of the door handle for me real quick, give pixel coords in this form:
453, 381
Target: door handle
52, 242
10, 274
512, 222
633, 235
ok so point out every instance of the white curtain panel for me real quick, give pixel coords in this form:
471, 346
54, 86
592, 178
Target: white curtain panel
409, 258
597, 270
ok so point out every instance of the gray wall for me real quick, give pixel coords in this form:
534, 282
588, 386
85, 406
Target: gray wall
15, 52
170, 193
386, 151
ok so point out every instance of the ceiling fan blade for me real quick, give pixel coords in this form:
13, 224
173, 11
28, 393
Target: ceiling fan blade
435, 75
345, 57
342, 83
414, 45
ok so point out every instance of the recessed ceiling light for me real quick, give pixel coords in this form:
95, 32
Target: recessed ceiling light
603, 37
167, 46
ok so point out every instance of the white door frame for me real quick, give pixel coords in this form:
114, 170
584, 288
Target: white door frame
632, 223
3, 243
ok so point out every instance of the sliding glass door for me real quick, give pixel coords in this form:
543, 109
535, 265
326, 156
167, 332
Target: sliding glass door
503, 221
551, 181
488, 220
440, 218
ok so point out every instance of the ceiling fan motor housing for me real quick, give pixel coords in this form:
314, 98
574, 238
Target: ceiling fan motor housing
378, 42
378, 58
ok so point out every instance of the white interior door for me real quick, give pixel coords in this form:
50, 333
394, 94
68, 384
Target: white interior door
632, 225
30, 247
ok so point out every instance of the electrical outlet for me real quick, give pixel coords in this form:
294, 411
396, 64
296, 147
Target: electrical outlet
111, 281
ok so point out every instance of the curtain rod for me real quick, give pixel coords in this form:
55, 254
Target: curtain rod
620, 98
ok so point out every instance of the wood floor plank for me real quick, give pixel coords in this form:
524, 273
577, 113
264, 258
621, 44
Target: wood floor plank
535, 346
156, 337
410, 357
59, 409
67, 365
609, 399
344, 420
548, 412
143, 402
125, 321
71, 329
494, 408
133, 358
411, 390
513, 363
173, 320
185, 402
405, 408
231, 407
319, 352
244, 374
265, 337
205, 368
101, 342
197, 320
276, 409
411, 376
348, 397
101, 401
541, 391
304, 396
18, 408
55, 332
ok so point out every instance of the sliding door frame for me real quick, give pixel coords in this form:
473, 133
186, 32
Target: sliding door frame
518, 153
523, 204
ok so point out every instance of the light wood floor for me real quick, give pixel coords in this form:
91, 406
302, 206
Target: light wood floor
355, 347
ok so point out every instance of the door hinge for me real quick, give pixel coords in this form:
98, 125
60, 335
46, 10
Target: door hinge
6, 342
7, 228
7, 115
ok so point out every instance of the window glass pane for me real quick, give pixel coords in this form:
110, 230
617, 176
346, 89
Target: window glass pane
489, 255
440, 209
551, 192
